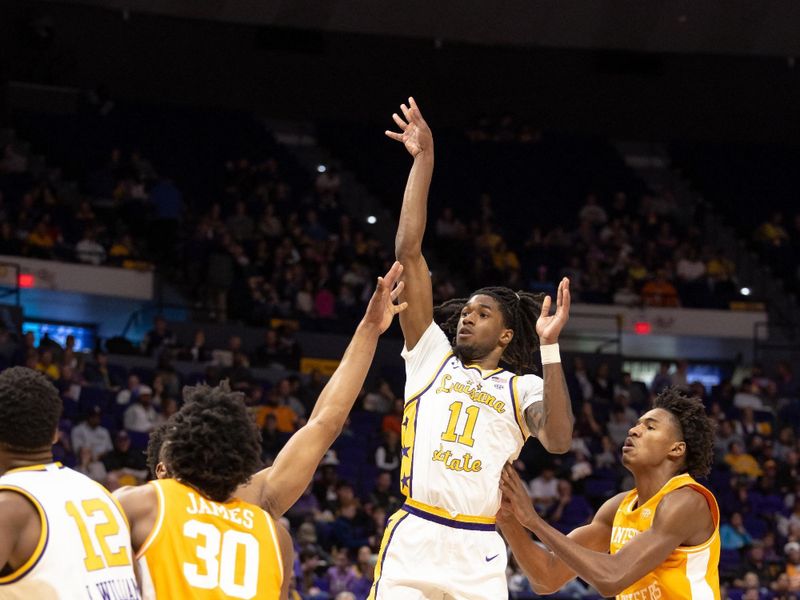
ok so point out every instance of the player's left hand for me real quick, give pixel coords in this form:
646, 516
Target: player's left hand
548, 326
382, 309
516, 496
505, 514
414, 132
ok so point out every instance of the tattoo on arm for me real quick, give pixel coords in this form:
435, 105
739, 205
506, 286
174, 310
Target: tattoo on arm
534, 417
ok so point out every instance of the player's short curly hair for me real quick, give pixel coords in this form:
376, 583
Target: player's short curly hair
696, 427
213, 443
29, 410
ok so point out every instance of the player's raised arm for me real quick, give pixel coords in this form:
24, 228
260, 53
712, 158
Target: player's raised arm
278, 487
551, 420
418, 140
680, 515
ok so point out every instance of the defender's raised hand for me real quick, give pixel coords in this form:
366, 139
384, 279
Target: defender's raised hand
548, 327
382, 309
515, 496
414, 131
505, 514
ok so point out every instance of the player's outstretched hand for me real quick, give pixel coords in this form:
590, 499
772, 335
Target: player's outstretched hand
382, 309
515, 496
414, 131
548, 326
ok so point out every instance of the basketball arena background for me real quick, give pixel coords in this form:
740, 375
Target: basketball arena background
196, 191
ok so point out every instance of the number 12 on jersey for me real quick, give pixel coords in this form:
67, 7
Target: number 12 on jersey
465, 438
98, 536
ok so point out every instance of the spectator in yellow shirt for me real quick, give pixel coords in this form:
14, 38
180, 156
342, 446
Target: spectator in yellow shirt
285, 417
488, 240
720, 268
41, 241
772, 232
741, 462
47, 366
504, 259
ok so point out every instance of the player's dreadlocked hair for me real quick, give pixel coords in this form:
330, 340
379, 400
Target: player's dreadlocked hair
213, 443
29, 410
697, 428
520, 312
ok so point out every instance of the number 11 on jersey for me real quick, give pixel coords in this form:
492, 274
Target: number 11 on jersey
465, 438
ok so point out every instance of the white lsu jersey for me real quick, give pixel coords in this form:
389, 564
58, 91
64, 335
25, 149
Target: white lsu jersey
84, 550
460, 426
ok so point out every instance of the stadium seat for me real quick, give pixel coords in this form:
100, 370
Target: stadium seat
118, 372
72, 409
730, 561
145, 374
755, 526
94, 396
138, 440
600, 489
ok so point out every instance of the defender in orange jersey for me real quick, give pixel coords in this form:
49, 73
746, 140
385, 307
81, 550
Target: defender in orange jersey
663, 536
206, 529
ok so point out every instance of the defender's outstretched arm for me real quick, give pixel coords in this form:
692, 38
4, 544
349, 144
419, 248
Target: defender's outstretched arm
278, 487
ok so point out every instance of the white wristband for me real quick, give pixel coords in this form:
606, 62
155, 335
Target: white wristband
550, 354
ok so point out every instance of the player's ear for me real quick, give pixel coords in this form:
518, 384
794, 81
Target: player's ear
506, 336
678, 450
161, 471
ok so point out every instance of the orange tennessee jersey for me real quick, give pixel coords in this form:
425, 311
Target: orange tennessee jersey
208, 550
689, 572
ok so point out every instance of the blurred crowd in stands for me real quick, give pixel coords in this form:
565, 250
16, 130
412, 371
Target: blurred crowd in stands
621, 252
36, 222
754, 186
269, 250
278, 244
780, 245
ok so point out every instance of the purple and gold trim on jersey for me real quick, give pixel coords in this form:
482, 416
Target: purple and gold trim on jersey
391, 527
441, 366
38, 468
518, 416
442, 517
484, 374
44, 536
409, 428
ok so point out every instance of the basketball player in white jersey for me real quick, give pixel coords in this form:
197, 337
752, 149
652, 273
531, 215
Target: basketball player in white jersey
465, 415
206, 457
62, 535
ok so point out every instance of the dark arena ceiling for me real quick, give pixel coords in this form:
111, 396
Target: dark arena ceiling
758, 28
